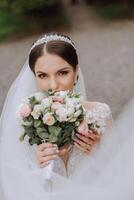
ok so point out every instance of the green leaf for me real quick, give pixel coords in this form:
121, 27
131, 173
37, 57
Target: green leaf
73, 134
33, 101
43, 135
54, 130
53, 139
39, 130
37, 123
34, 140
21, 138
30, 132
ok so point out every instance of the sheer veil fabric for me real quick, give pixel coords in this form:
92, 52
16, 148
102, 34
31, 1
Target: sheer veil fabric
104, 174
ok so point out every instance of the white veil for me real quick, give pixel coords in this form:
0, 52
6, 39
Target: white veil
20, 176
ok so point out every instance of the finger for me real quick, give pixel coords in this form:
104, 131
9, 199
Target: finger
44, 164
44, 145
94, 136
83, 144
85, 139
46, 153
87, 151
47, 158
49, 151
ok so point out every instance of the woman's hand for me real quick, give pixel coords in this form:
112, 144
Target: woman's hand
46, 152
86, 143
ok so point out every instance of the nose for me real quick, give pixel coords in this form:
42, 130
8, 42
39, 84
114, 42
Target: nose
53, 84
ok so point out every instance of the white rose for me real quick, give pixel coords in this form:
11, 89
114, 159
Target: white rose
48, 119
63, 94
69, 102
46, 102
70, 111
39, 96
37, 111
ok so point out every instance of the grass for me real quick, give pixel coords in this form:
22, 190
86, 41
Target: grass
114, 11
17, 25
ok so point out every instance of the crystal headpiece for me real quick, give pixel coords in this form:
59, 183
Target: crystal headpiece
48, 38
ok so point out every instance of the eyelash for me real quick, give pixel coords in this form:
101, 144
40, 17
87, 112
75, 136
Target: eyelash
64, 73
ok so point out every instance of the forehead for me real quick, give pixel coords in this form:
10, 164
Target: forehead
50, 63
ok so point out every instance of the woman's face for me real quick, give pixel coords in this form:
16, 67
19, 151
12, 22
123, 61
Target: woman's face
53, 72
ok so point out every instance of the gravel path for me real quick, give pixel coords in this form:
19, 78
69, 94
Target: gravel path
105, 54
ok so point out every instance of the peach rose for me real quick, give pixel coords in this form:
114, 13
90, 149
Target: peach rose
48, 119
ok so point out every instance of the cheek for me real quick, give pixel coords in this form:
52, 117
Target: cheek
42, 85
68, 81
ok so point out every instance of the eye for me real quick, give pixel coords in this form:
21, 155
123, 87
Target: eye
42, 76
63, 73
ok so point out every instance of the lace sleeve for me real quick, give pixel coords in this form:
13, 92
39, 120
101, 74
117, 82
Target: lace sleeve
108, 146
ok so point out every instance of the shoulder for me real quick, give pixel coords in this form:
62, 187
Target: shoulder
97, 108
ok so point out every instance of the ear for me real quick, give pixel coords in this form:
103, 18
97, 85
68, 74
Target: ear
76, 72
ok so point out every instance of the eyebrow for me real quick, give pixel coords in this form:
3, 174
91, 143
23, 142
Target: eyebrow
57, 71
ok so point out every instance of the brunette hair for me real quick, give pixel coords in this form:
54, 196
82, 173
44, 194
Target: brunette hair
57, 47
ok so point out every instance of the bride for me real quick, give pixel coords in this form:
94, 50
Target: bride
52, 63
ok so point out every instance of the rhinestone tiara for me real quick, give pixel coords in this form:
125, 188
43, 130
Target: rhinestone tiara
48, 38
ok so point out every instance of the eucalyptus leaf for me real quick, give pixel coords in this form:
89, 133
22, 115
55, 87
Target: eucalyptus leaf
33, 101
37, 123
30, 132
54, 130
35, 140
21, 138
39, 130
43, 135
53, 139
28, 123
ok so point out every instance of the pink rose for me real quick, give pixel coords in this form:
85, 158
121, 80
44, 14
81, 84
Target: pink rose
83, 128
24, 110
48, 119
56, 105
58, 99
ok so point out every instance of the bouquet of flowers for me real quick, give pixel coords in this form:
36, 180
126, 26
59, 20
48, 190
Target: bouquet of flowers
54, 118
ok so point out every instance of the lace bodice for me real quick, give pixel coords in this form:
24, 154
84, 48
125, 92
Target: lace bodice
97, 110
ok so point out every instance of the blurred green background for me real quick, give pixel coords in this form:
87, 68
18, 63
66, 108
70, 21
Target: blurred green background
20, 17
